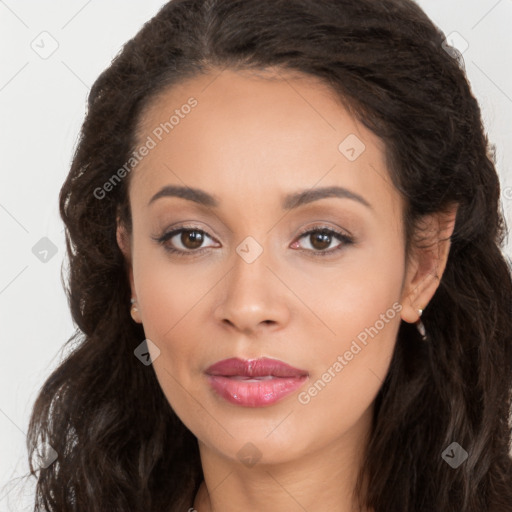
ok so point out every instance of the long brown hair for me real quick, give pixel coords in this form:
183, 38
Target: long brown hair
120, 446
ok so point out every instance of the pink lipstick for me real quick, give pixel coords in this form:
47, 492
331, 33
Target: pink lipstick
254, 382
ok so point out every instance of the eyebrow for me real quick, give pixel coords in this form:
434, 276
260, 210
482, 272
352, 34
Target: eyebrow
290, 201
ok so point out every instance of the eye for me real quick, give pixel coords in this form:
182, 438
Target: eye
188, 240
321, 238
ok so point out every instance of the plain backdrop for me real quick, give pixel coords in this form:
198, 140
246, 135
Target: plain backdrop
51, 53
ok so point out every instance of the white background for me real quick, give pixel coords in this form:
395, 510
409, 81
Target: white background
42, 104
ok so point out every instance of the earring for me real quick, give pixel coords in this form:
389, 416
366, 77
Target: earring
133, 309
420, 326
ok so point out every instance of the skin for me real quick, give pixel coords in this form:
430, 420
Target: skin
251, 139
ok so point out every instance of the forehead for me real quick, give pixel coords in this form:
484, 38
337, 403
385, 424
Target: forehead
266, 133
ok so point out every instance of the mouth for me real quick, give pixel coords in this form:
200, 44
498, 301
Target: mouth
254, 382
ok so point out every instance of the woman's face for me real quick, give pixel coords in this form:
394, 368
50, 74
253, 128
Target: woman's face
246, 282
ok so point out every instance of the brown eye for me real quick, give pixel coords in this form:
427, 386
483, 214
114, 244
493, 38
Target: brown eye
320, 241
184, 241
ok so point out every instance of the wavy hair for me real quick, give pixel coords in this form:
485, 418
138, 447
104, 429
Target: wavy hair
120, 445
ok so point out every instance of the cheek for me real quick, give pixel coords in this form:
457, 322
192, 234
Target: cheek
168, 292
350, 370
348, 295
360, 311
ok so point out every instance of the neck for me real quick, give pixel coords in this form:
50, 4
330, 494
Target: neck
317, 481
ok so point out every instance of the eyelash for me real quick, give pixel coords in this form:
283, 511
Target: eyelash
347, 240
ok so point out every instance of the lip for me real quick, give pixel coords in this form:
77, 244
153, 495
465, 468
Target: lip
254, 382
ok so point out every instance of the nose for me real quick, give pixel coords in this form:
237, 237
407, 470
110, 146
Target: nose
253, 297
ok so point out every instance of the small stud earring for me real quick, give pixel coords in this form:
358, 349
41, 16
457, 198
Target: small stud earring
420, 326
133, 309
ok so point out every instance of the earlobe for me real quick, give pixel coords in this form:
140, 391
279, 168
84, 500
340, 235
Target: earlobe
427, 263
421, 290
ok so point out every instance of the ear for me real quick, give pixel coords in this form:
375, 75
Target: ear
124, 242
427, 262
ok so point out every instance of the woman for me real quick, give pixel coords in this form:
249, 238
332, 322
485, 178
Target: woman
285, 255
